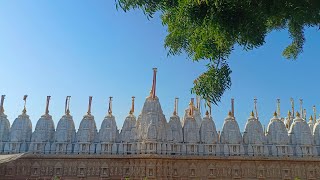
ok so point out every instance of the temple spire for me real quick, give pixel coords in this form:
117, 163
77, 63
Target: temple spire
154, 82
292, 106
232, 107
175, 112
304, 116
24, 111
132, 106
278, 107
89, 105
110, 106
1, 104
255, 108
47, 105
67, 106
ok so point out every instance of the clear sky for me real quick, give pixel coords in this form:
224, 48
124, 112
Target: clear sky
88, 48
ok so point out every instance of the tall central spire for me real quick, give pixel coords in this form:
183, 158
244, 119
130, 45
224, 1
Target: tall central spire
47, 105
67, 106
154, 82
89, 105
1, 104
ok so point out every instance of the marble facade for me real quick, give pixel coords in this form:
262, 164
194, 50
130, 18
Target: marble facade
149, 146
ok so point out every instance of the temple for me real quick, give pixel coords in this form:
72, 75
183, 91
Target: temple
150, 142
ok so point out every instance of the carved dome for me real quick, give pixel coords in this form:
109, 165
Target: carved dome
175, 128
108, 131
151, 123
276, 132
299, 132
87, 130
253, 132
316, 132
230, 133
4, 127
44, 130
21, 129
190, 130
208, 132
65, 131
128, 131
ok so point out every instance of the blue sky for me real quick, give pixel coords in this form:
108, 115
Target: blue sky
88, 48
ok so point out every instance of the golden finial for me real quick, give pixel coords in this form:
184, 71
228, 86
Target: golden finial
252, 114
311, 119
297, 114
289, 114
110, 106
47, 105
275, 114
24, 111
175, 112
207, 113
191, 106
230, 113
67, 106
1, 104
132, 106
89, 105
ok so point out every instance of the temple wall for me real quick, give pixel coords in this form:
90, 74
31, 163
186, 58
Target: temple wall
31, 166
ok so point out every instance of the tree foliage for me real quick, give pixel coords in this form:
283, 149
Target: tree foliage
209, 30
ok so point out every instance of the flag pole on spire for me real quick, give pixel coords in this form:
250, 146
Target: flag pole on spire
132, 105
1, 104
232, 107
314, 113
292, 106
25, 102
154, 82
67, 106
255, 108
278, 107
89, 105
47, 105
110, 106
175, 112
